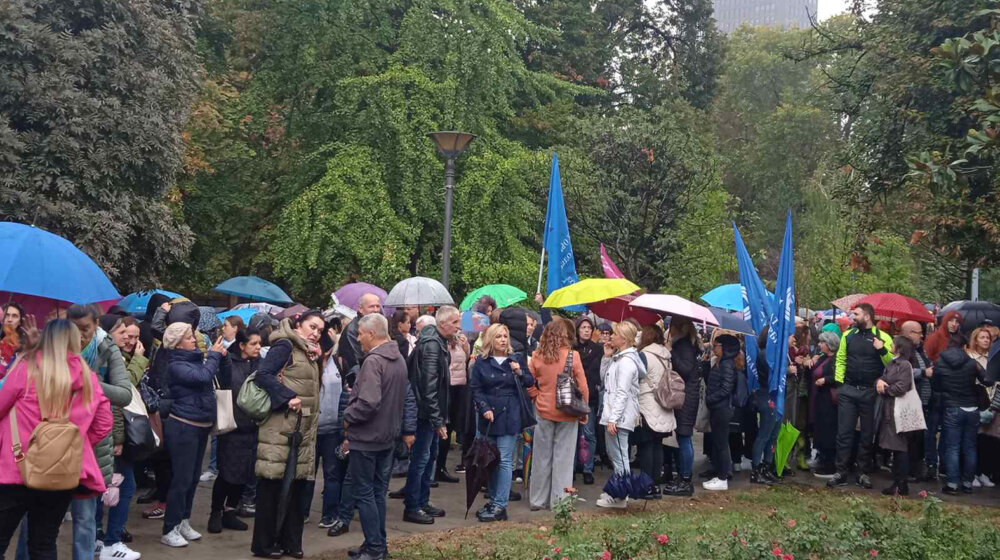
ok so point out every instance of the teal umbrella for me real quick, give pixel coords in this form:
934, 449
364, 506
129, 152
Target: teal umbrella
253, 288
505, 295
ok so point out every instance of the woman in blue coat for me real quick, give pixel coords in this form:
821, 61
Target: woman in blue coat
497, 383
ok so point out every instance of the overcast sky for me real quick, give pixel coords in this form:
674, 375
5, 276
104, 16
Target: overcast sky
829, 8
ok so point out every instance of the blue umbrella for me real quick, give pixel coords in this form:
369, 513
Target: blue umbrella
252, 287
726, 296
37, 263
244, 314
731, 322
136, 302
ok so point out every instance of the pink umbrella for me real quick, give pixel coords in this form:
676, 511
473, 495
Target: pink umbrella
620, 308
675, 305
847, 303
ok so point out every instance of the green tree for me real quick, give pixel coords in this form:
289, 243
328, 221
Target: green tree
92, 105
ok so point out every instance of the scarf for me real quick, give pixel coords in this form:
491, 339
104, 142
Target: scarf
91, 353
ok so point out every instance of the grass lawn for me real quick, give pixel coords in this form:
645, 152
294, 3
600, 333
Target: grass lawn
784, 522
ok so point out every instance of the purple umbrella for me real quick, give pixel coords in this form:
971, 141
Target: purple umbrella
350, 294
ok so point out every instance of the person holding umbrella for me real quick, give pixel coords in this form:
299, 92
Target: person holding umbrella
372, 422
496, 383
290, 374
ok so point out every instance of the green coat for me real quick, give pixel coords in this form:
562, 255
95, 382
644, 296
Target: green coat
302, 377
116, 386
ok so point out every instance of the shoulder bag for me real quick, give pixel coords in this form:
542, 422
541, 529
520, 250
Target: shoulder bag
569, 398
225, 420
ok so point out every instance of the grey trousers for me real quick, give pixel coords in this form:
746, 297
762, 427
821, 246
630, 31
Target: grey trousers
553, 451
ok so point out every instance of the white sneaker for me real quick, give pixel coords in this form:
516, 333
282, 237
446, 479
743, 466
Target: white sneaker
174, 538
986, 482
119, 551
187, 532
606, 501
716, 484
976, 483
208, 476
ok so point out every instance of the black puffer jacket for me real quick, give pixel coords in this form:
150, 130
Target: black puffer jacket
956, 374
432, 378
237, 448
684, 359
721, 381
516, 321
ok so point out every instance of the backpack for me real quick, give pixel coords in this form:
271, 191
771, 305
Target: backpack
53, 458
669, 392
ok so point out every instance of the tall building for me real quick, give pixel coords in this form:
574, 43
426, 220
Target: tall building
730, 14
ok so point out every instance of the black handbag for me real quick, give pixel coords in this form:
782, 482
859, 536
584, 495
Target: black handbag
527, 409
139, 440
569, 398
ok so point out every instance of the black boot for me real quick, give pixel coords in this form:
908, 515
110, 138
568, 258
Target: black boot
757, 476
444, 476
215, 522
767, 471
684, 487
232, 522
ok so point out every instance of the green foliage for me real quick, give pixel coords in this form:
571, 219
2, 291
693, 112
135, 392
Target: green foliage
92, 104
342, 225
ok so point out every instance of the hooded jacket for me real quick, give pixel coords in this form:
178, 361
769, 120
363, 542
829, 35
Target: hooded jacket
620, 378
516, 321
955, 374
431, 377
375, 409
721, 380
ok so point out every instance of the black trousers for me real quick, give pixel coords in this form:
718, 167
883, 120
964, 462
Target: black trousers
225, 494
267, 536
650, 451
457, 397
722, 461
45, 513
160, 463
900, 466
855, 403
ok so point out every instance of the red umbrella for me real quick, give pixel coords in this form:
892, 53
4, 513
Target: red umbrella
847, 303
618, 309
896, 307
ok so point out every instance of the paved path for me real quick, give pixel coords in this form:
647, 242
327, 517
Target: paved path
232, 545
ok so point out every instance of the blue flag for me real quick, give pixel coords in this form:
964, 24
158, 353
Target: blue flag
756, 305
556, 242
782, 320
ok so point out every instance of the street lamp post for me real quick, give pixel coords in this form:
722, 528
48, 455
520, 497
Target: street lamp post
450, 145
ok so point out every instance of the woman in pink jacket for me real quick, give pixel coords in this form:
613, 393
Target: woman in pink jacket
49, 380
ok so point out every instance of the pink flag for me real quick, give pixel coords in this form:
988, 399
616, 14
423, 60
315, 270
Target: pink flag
610, 270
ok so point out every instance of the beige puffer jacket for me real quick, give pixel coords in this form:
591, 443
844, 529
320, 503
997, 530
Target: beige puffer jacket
657, 418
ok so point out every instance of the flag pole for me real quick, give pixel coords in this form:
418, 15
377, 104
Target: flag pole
541, 265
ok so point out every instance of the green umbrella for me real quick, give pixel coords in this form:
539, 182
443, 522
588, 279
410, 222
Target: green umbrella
787, 437
505, 295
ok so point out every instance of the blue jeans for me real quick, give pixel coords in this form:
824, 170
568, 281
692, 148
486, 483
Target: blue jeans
500, 478
959, 434
686, 451
213, 462
334, 471
618, 450
590, 434
84, 511
932, 416
763, 445
118, 515
418, 477
370, 471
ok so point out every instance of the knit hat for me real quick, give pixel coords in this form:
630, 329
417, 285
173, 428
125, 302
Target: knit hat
174, 334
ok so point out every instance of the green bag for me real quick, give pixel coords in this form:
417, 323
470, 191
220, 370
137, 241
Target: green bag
253, 400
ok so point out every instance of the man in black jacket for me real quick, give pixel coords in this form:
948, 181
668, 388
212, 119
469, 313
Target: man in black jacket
430, 379
372, 423
349, 352
861, 359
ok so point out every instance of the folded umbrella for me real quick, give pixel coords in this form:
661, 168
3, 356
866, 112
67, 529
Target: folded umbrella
291, 464
253, 287
787, 436
504, 294
589, 291
482, 457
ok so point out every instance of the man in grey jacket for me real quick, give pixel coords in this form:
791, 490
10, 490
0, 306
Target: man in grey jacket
372, 423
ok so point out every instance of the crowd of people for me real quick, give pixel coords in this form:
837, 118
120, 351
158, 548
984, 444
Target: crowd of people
351, 404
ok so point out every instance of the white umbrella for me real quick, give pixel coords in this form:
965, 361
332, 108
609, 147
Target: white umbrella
675, 305
418, 291
268, 308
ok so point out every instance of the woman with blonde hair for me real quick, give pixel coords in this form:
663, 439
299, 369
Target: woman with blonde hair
556, 432
48, 381
496, 383
621, 370
988, 447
